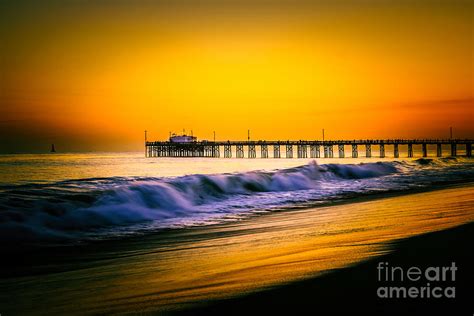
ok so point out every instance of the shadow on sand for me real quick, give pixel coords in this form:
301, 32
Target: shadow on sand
353, 290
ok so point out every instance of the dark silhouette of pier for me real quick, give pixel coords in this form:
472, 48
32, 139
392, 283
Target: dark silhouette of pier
301, 149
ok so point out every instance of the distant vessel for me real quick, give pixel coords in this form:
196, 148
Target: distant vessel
53, 150
182, 138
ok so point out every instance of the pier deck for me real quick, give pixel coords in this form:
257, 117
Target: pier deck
301, 148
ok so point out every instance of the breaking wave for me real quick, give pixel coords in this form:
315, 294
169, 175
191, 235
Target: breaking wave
104, 207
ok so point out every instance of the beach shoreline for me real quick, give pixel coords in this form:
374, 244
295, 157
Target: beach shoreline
353, 289
167, 273
43, 253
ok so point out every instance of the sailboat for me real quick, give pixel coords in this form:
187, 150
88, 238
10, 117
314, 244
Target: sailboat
53, 150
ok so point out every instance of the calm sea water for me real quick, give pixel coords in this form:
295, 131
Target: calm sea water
42, 168
53, 197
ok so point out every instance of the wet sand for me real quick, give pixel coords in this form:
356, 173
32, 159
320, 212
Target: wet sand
250, 263
352, 290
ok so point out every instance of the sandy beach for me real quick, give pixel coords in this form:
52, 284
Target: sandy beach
273, 261
352, 290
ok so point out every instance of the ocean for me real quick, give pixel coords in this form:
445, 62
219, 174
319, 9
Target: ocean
61, 198
118, 233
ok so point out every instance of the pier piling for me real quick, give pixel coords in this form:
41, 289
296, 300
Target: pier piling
227, 150
382, 150
276, 151
264, 151
340, 148
368, 150
439, 150
289, 151
252, 152
212, 149
239, 151
355, 151
314, 151
453, 150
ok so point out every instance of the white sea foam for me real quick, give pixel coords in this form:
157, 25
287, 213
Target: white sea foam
107, 207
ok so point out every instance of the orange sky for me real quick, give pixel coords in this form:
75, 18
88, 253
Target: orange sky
94, 76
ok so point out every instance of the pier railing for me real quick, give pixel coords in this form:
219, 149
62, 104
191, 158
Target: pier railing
316, 148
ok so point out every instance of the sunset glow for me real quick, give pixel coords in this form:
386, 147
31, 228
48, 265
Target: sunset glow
95, 76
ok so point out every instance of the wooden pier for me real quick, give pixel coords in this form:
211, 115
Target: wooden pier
300, 149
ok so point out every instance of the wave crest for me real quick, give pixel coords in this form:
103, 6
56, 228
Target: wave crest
64, 209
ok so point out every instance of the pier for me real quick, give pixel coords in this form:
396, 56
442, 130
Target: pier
304, 148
